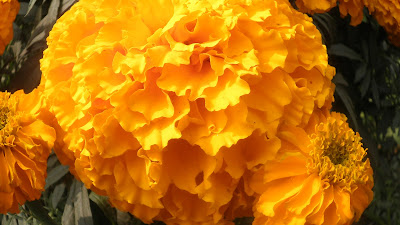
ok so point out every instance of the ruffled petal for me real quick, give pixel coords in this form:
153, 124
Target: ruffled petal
174, 109
25, 144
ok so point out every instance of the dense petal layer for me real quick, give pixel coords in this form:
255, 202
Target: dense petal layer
354, 8
26, 140
8, 12
164, 106
387, 13
291, 190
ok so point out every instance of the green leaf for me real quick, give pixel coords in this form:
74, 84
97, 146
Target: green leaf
3, 220
66, 4
102, 203
13, 221
52, 161
39, 212
344, 51
37, 41
22, 221
68, 217
124, 218
77, 209
30, 6
55, 175
365, 84
325, 24
375, 93
348, 103
365, 50
20, 79
35, 222
322, 21
83, 214
57, 194
338, 79
360, 73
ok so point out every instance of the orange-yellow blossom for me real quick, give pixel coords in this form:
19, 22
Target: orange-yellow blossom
154, 99
25, 144
318, 178
353, 8
387, 13
8, 12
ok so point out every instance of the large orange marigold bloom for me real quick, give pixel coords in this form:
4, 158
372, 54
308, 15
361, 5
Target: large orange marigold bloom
320, 178
387, 13
25, 144
152, 96
354, 8
8, 12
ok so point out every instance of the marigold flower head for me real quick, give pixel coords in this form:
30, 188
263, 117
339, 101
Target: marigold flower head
354, 8
337, 154
25, 144
136, 85
387, 13
8, 12
326, 179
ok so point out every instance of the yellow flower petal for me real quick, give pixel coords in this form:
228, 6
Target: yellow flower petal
173, 108
8, 12
25, 144
316, 186
277, 192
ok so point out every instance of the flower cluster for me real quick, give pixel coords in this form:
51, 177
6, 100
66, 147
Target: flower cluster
8, 12
173, 108
354, 8
25, 144
386, 12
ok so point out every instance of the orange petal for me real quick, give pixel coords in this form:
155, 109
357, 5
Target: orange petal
288, 167
277, 193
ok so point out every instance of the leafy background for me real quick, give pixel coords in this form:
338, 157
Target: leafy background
367, 91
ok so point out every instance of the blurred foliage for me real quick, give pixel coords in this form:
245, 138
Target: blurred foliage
367, 91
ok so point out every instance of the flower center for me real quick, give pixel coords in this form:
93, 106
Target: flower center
3, 117
337, 154
9, 118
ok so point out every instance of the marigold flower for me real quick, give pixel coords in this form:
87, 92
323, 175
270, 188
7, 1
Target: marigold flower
155, 99
25, 144
8, 12
326, 179
387, 13
354, 8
